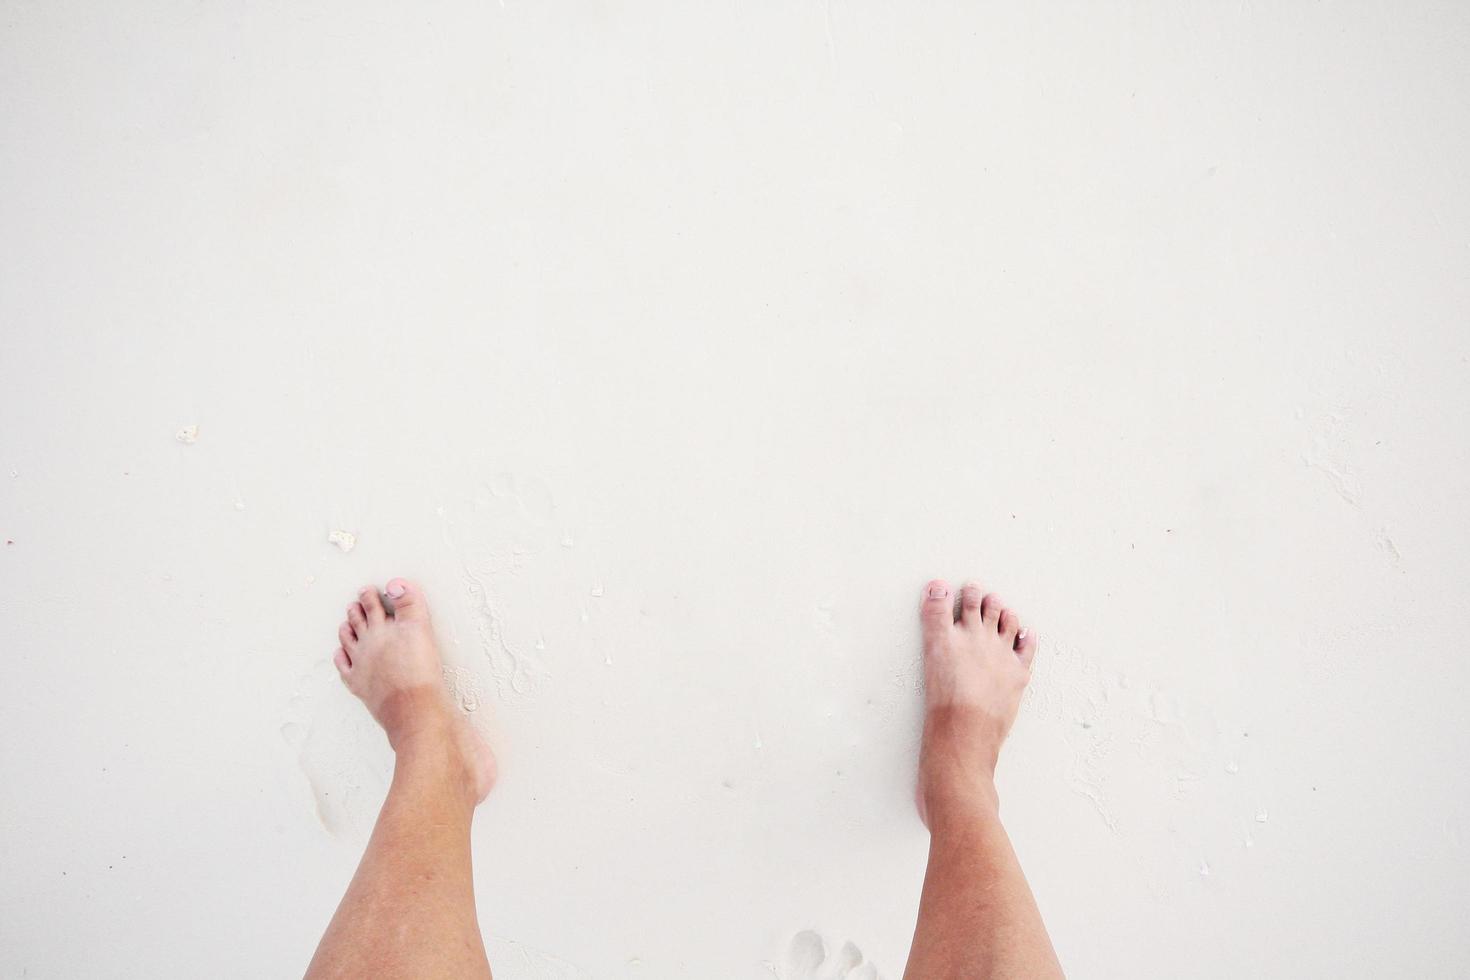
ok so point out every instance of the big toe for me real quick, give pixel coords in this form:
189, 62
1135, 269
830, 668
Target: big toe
937, 611
408, 600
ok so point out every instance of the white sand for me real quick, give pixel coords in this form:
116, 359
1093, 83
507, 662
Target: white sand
673, 350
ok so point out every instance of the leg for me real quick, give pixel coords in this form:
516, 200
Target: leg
410, 909
977, 917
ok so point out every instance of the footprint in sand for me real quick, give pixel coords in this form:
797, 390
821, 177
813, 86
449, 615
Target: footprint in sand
807, 958
341, 751
516, 961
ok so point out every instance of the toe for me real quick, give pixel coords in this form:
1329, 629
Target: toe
346, 637
407, 599
990, 610
1026, 647
937, 611
372, 605
357, 618
1010, 624
343, 662
969, 611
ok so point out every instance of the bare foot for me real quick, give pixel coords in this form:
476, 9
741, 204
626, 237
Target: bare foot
390, 661
977, 660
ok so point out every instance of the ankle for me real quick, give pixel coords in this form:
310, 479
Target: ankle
436, 757
415, 718
959, 800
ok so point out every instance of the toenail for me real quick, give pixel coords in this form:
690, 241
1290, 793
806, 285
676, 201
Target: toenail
938, 591
1022, 635
396, 590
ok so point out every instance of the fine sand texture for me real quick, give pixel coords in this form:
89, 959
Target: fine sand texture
673, 347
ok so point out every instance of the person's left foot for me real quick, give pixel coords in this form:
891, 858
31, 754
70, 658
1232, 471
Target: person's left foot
390, 660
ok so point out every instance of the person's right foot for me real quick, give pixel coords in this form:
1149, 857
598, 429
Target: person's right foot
977, 660
391, 661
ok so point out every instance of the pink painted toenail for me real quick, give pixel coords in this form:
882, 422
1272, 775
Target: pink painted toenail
938, 591
396, 590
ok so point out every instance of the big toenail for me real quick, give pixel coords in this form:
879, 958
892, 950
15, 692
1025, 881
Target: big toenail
395, 591
938, 591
